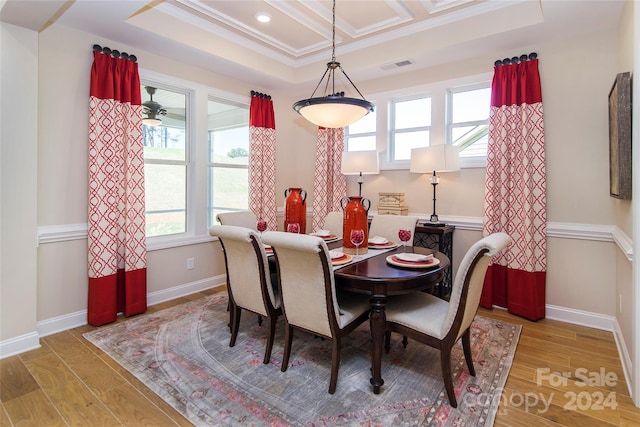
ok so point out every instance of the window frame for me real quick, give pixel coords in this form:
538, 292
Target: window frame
210, 164
471, 161
438, 93
196, 155
393, 132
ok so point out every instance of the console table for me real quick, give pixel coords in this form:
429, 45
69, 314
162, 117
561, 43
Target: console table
441, 239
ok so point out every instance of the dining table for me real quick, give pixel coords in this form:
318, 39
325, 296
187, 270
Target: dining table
377, 277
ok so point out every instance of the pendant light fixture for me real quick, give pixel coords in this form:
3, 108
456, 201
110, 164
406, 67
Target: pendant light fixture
152, 109
333, 110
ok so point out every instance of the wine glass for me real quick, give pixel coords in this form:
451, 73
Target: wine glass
357, 237
293, 227
404, 235
261, 226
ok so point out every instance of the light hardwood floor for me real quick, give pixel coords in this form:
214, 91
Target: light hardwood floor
71, 382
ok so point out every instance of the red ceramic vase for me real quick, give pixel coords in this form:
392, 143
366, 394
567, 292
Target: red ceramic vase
295, 209
355, 210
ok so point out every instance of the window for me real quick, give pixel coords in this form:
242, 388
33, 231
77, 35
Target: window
410, 126
444, 112
165, 161
228, 162
362, 134
468, 120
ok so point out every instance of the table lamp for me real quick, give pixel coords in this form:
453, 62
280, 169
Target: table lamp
360, 163
436, 158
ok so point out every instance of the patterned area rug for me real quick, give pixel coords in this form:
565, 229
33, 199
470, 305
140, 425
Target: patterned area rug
183, 355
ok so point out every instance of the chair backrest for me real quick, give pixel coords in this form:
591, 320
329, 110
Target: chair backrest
334, 222
306, 281
467, 285
247, 267
387, 226
245, 219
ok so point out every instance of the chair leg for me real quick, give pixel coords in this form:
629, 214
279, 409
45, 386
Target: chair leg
405, 341
272, 333
387, 341
259, 320
445, 364
288, 338
235, 323
335, 364
466, 346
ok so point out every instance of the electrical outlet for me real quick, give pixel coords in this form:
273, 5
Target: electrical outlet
191, 263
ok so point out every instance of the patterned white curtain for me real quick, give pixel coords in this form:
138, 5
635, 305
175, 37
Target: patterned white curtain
262, 159
117, 254
515, 193
329, 184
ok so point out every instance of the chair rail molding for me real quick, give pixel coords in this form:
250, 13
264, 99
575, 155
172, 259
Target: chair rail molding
564, 230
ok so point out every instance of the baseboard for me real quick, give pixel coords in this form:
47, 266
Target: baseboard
625, 357
186, 289
31, 341
18, 345
580, 317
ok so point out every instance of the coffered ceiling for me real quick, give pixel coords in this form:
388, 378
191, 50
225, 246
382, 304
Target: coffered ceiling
374, 38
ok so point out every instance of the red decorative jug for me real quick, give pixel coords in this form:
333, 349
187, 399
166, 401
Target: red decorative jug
355, 210
295, 210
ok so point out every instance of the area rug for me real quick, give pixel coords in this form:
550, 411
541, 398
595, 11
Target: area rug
183, 355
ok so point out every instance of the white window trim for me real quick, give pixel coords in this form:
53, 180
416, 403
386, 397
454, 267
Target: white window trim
197, 155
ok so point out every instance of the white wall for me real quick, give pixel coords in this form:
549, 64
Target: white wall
18, 190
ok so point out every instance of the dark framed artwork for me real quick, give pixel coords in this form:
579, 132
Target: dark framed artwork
620, 137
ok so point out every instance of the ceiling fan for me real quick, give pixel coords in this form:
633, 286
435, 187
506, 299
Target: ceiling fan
152, 109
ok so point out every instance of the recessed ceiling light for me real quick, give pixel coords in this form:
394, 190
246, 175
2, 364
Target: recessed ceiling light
263, 17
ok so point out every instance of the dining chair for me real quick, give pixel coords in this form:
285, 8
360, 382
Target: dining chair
334, 223
387, 226
239, 218
248, 280
309, 299
440, 324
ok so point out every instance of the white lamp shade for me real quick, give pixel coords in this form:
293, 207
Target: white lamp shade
356, 162
334, 114
438, 158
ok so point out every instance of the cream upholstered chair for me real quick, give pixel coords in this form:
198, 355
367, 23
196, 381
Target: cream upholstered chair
387, 226
245, 219
440, 324
248, 279
309, 300
334, 223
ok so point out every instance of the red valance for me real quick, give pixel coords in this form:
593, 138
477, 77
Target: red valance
261, 112
115, 78
516, 84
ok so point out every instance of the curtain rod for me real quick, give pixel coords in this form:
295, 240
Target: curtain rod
114, 53
260, 95
515, 59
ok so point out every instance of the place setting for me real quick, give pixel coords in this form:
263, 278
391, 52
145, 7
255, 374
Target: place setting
379, 242
340, 258
326, 235
412, 260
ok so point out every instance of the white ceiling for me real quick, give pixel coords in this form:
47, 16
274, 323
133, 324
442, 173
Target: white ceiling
293, 49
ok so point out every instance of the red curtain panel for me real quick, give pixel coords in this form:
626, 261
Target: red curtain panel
262, 159
515, 191
117, 264
329, 184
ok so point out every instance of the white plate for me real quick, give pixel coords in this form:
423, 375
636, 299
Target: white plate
377, 240
343, 259
408, 256
394, 260
387, 245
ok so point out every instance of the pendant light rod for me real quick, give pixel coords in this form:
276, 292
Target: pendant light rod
333, 110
